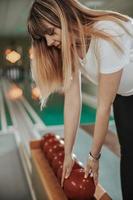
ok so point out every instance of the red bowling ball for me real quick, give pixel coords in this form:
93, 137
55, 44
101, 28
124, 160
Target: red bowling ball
49, 143
46, 137
57, 160
52, 150
77, 187
77, 165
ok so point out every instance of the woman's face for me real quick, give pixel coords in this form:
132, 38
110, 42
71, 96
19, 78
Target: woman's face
53, 35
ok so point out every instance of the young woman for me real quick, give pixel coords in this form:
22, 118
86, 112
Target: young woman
67, 38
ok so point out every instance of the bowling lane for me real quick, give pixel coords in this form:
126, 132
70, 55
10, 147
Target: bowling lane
8, 116
22, 123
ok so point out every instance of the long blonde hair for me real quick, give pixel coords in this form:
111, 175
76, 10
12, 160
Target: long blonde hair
53, 68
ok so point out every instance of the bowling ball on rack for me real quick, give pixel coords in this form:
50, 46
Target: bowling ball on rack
78, 187
52, 150
46, 137
57, 160
77, 165
49, 143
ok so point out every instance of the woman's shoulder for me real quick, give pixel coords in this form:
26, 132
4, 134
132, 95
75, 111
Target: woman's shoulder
113, 27
106, 25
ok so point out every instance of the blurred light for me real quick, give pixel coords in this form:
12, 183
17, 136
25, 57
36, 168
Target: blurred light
15, 93
13, 56
36, 93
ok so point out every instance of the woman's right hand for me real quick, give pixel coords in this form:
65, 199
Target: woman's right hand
67, 167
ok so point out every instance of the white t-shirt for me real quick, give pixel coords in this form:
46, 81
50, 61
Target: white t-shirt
110, 59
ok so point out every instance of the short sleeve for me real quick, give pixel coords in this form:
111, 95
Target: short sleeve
110, 58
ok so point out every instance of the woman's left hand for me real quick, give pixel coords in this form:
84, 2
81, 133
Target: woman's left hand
92, 169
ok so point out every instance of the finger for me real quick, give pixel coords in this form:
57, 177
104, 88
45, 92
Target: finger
68, 172
67, 175
95, 176
91, 174
87, 171
73, 161
62, 179
69, 169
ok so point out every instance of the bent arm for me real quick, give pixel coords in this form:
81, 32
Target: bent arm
72, 109
108, 87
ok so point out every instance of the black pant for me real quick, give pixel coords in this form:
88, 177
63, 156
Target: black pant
123, 115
